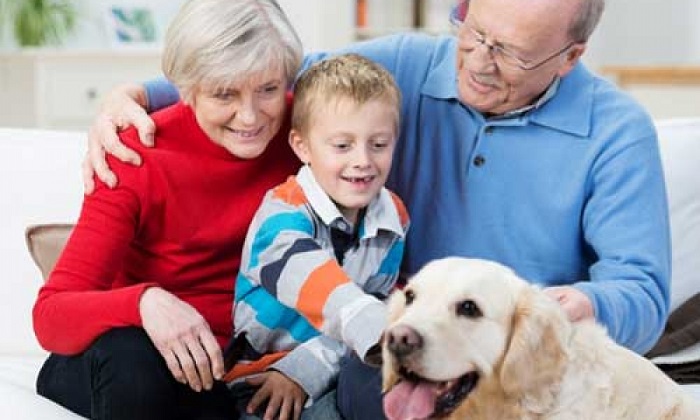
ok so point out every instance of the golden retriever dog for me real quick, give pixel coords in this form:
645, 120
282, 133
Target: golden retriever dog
468, 339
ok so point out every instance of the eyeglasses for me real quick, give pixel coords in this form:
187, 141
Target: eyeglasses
500, 55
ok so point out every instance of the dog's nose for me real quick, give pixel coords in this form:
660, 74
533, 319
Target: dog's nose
403, 340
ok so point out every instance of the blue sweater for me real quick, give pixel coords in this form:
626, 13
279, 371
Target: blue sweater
571, 192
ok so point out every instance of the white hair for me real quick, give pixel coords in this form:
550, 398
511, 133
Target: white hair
221, 42
586, 20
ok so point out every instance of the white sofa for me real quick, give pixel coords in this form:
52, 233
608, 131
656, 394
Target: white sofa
40, 183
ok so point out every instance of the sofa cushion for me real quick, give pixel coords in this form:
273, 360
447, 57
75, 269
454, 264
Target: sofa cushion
679, 140
40, 184
21, 403
45, 243
680, 153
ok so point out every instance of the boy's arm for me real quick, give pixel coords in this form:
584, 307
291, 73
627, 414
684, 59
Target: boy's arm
314, 365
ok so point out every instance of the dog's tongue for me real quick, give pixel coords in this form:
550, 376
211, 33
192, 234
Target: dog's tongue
409, 400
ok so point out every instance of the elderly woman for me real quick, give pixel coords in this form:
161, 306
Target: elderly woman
138, 307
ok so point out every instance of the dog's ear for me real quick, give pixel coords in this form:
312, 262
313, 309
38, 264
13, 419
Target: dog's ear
389, 371
536, 355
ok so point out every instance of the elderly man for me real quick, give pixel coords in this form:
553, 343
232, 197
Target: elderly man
512, 150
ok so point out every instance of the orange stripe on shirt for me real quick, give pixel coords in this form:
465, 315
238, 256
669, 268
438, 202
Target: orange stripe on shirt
401, 209
290, 192
241, 370
316, 290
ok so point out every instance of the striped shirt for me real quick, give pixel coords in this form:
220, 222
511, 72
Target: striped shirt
294, 302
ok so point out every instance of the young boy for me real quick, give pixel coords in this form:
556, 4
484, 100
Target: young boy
325, 247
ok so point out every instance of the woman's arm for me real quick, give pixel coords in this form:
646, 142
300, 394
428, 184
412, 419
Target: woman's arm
79, 302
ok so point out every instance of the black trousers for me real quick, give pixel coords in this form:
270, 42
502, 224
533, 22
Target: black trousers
122, 376
359, 390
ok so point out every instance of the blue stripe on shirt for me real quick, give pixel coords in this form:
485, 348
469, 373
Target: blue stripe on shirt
271, 313
273, 226
271, 273
392, 262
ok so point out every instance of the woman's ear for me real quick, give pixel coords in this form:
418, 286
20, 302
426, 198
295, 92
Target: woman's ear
299, 145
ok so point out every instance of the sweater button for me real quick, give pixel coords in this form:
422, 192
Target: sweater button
479, 161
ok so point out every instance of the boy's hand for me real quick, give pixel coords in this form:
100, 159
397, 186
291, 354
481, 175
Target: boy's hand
285, 398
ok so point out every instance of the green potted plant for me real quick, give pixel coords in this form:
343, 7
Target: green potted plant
39, 22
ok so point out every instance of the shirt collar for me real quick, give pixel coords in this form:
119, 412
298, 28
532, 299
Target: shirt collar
568, 100
548, 94
381, 214
571, 109
441, 82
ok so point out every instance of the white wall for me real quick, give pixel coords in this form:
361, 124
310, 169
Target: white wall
632, 32
321, 24
91, 28
647, 32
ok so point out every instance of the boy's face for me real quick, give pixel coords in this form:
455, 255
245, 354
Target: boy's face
349, 148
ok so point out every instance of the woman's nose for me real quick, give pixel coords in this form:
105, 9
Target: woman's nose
247, 112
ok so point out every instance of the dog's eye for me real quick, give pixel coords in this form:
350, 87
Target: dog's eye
469, 309
409, 295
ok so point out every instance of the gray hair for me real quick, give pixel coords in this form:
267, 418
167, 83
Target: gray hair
586, 19
221, 42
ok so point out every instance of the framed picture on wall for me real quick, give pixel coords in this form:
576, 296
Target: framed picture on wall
131, 25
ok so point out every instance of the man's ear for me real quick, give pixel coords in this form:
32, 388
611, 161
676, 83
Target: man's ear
572, 57
299, 145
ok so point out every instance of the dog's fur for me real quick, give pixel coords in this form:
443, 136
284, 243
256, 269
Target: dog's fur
532, 363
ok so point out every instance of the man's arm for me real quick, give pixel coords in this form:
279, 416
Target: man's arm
123, 106
159, 93
626, 225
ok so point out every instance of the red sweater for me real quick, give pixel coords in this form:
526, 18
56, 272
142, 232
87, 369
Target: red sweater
178, 222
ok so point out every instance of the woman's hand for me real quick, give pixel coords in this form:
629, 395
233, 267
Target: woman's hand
285, 398
575, 303
183, 337
122, 107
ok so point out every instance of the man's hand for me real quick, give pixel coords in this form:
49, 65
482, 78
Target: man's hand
122, 107
183, 338
285, 398
574, 302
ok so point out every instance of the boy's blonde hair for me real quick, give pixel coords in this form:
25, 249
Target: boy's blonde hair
348, 76
221, 42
